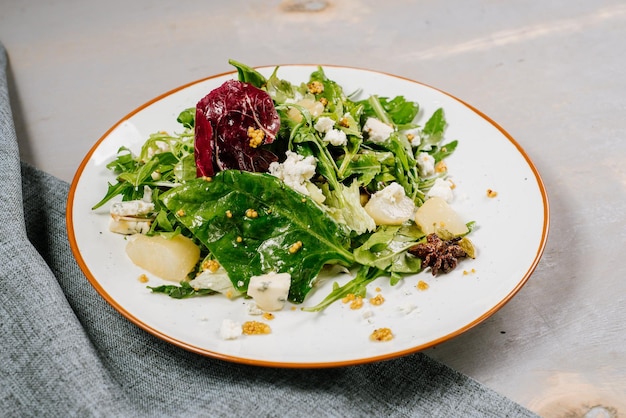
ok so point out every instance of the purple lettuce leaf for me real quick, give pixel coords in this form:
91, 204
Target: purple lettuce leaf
223, 118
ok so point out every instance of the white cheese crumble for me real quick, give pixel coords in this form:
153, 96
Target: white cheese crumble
441, 188
367, 313
324, 124
413, 135
426, 164
336, 137
296, 171
230, 330
376, 130
407, 308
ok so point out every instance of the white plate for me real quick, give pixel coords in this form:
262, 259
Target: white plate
510, 237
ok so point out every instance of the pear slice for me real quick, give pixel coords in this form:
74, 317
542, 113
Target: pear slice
170, 259
436, 214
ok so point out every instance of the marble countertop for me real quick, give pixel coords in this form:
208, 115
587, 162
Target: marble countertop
550, 73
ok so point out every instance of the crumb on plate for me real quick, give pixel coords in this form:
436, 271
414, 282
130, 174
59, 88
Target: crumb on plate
381, 334
255, 328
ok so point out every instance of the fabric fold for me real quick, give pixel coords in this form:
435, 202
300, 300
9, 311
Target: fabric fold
67, 352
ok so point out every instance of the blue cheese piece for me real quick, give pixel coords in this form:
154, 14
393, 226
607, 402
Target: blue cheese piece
270, 290
131, 217
128, 226
131, 208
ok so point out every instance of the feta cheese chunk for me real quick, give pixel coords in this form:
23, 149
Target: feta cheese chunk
390, 206
426, 164
413, 135
324, 124
270, 290
230, 330
441, 188
376, 130
296, 171
336, 137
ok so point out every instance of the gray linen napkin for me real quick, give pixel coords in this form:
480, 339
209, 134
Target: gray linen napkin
66, 352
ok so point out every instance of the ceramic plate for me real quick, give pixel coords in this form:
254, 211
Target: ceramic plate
486, 158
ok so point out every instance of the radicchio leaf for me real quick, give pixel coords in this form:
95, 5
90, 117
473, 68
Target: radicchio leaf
223, 118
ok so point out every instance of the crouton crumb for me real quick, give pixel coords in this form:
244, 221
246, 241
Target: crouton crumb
381, 334
377, 300
255, 328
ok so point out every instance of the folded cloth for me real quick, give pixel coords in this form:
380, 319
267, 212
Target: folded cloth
67, 352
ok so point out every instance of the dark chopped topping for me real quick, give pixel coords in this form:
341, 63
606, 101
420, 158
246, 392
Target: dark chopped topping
438, 254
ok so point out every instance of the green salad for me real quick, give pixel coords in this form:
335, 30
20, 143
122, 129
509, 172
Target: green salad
267, 177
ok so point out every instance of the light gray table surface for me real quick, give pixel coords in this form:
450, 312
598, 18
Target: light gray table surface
551, 73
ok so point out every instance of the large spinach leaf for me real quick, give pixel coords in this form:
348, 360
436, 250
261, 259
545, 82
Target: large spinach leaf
253, 224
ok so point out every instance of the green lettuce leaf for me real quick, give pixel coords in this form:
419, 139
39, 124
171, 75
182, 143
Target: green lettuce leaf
248, 244
386, 249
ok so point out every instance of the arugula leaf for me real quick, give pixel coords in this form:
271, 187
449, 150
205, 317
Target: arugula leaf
248, 74
183, 291
356, 286
254, 243
444, 151
433, 130
333, 93
187, 117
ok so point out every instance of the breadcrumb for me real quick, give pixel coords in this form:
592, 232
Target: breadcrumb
256, 137
295, 247
315, 87
251, 213
422, 285
441, 167
377, 300
211, 265
381, 334
255, 328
